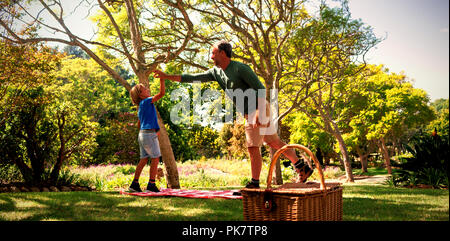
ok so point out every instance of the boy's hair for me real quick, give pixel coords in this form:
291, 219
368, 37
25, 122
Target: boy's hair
135, 94
225, 46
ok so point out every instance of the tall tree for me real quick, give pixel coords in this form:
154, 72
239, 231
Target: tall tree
378, 107
404, 108
21, 68
331, 48
155, 32
39, 129
23, 72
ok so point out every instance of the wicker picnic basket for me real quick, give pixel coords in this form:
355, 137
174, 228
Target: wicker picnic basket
294, 201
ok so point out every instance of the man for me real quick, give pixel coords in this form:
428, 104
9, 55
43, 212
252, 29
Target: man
233, 76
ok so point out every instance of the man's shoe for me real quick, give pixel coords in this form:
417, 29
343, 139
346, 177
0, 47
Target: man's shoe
252, 185
304, 171
151, 187
134, 187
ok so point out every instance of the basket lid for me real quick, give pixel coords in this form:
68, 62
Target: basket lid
299, 188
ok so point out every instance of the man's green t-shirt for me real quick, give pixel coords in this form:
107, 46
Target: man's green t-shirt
235, 78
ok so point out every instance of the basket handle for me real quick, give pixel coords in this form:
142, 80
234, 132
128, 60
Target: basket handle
303, 148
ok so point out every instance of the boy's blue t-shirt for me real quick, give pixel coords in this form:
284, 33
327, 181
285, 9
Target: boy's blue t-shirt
147, 115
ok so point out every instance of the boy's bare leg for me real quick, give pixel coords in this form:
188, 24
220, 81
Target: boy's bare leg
140, 166
154, 168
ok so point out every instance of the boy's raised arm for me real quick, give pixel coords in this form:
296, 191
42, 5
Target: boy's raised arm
162, 91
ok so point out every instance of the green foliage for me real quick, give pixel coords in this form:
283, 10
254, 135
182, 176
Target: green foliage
225, 134
117, 140
429, 162
26, 128
45, 124
434, 177
245, 180
87, 86
203, 140
237, 143
441, 123
377, 105
125, 170
66, 177
394, 180
82, 83
383, 105
305, 132
9, 173
30, 135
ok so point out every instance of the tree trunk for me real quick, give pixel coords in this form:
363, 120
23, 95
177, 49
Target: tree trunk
386, 156
326, 160
362, 159
278, 180
56, 169
34, 151
168, 158
26, 171
345, 157
62, 149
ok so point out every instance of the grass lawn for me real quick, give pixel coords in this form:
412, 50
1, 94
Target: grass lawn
361, 203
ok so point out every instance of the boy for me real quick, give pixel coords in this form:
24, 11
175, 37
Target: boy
148, 134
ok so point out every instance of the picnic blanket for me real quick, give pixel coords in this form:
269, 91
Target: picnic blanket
227, 194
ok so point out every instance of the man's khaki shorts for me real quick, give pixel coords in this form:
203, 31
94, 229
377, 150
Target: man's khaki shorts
264, 133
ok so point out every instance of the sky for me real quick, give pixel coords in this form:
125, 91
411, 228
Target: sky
417, 39
416, 36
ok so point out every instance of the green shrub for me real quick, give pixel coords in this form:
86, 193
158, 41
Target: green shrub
428, 163
117, 140
66, 177
9, 173
245, 180
394, 180
434, 177
125, 170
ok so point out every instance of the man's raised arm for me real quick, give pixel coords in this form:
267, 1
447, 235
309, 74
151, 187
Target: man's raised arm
161, 75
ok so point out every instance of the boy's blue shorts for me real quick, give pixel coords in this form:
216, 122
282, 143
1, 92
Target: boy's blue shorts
148, 145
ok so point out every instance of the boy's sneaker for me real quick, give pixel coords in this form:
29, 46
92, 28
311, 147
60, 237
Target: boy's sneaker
151, 187
134, 187
303, 170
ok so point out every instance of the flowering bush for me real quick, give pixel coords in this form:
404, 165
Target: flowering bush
118, 140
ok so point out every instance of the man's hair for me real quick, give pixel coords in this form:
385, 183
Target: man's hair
135, 94
225, 46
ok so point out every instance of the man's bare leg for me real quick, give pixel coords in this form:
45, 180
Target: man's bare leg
256, 161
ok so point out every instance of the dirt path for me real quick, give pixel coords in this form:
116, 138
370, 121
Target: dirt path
377, 179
